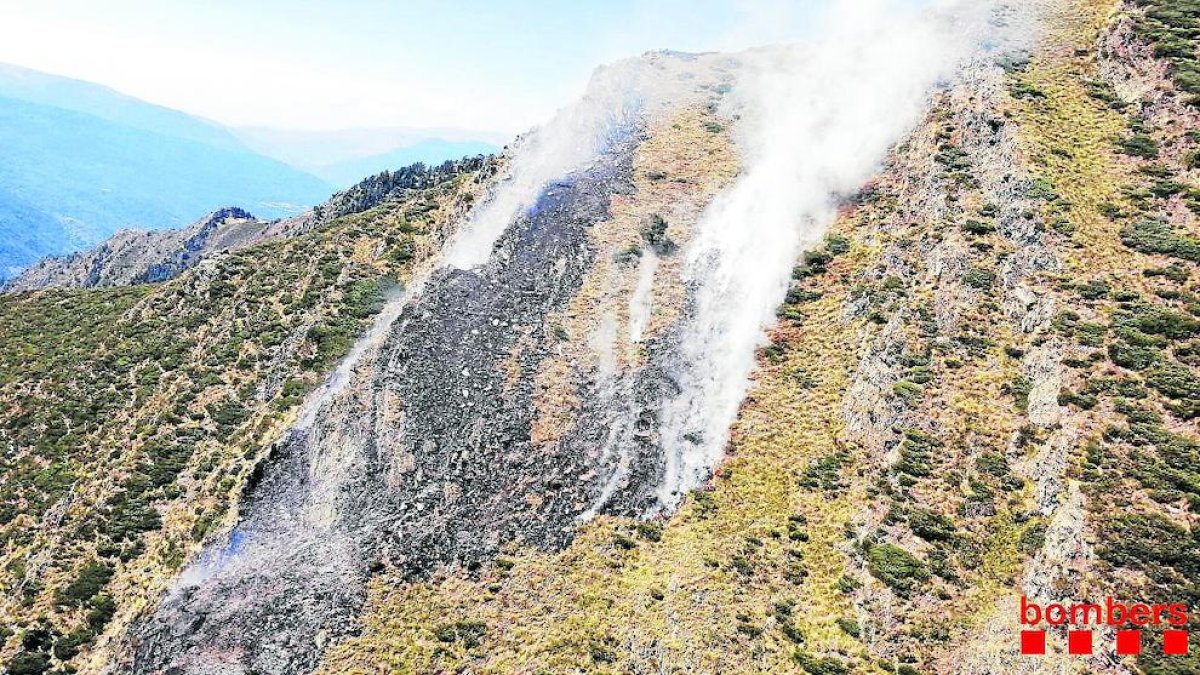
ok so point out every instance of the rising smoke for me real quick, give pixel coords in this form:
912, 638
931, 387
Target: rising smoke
813, 122
619, 98
816, 119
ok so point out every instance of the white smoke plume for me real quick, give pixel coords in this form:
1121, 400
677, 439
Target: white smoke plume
618, 98
816, 120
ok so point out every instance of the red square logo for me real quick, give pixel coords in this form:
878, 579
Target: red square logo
1079, 642
1175, 642
1033, 642
1129, 642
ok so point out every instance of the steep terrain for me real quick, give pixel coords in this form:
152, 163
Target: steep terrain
134, 415
140, 256
560, 444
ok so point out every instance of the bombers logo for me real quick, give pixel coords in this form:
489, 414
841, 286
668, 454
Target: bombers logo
1126, 619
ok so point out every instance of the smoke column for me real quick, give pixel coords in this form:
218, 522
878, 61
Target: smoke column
816, 119
619, 98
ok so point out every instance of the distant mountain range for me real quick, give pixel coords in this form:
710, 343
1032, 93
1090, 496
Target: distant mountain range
82, 161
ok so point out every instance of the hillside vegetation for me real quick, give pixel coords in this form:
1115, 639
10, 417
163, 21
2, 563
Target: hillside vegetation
133, 416
983, 383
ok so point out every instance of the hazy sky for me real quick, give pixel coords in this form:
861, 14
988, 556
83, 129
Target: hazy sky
481, 64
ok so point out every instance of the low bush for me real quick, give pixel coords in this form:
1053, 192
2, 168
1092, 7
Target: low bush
1156, 236
902, 571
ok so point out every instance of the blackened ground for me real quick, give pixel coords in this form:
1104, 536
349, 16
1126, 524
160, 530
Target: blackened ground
426, 458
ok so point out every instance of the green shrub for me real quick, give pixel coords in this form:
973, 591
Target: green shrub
402, 253
1032, 538
978, 228
825, 473
848, 584
993, 464
1174, 381
980, 278
1139, 145
1025, 90
1132, 357
931, 526
624, 543
27, 663
92, 577
909, 391
902, 571
797, 295
654, 232
1154, 320
650, 531
364, 298
819, 665
628, 254
1019, 389
467, 632
836, 244
1156, 236
813, 263
849, 626
1095, 289
67, 646
915, 453
1153, 544
102, 609
1043, 189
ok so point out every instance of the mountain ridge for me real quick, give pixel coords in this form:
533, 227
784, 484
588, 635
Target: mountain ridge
93, 177
148, 256
437, 430
71, 178
106, 103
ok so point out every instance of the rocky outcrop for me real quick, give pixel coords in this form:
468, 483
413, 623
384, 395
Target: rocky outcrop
137, 256
386, 186
150, 256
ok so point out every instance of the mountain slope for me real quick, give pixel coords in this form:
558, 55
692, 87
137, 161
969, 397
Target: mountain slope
122, 475
976, 381
70, 179
26, 234
951, 412
100, 101
134, 256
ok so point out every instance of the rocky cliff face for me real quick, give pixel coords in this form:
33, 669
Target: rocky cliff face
568, 439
